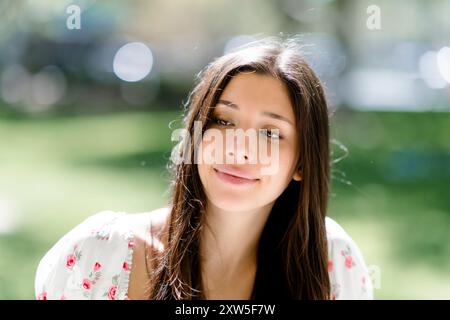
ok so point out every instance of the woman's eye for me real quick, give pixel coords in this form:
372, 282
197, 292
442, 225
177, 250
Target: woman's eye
272, 134
221, 122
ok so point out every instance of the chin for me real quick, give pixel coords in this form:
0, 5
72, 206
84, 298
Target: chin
227, 199
233, 205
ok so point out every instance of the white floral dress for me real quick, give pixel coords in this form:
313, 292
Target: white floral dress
93, 261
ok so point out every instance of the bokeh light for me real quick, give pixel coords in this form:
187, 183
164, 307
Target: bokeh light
443, 61
133, 62
15, 84
48, 87
429, 70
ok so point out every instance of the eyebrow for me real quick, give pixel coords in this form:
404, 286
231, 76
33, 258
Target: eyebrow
265, 113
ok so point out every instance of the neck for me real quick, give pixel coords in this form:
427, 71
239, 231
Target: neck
229, 244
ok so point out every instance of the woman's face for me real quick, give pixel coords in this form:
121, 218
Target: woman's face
250, 102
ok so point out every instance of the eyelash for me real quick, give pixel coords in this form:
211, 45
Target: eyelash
216, 120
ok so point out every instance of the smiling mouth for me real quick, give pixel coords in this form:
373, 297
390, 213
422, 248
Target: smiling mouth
232, 179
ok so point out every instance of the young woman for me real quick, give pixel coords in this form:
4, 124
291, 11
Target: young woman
233, 228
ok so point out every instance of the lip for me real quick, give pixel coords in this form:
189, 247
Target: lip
234, 176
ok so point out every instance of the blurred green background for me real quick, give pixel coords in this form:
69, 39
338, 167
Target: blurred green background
77, 136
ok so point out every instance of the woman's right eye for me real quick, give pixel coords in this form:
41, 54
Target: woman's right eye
221, 122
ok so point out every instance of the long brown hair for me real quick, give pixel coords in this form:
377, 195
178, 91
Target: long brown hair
292, 253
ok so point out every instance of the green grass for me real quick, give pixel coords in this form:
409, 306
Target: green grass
390, 193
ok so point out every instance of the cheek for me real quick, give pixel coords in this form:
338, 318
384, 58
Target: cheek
280, 164
202, 172
280, 176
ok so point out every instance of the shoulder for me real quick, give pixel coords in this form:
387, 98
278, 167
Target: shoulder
349, 275
91, 261
149, 226
151, 234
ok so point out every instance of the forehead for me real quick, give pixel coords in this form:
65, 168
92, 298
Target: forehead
255, 92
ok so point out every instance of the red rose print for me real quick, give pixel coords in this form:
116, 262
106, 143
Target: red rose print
112, 292
348, 262
330, 266
70, 261
97, 266
125, 265
130, 243
42, 296
86, 284
63, 297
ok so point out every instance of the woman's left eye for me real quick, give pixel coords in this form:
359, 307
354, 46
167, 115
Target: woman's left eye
272, 133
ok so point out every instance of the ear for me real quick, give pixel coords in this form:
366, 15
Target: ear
297, 175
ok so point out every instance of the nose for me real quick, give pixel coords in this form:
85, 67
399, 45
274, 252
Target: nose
240, 148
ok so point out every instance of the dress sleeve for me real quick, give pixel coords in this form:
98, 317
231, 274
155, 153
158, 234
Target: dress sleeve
349, 275
91, 261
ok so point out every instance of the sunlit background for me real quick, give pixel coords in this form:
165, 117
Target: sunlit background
86, 117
